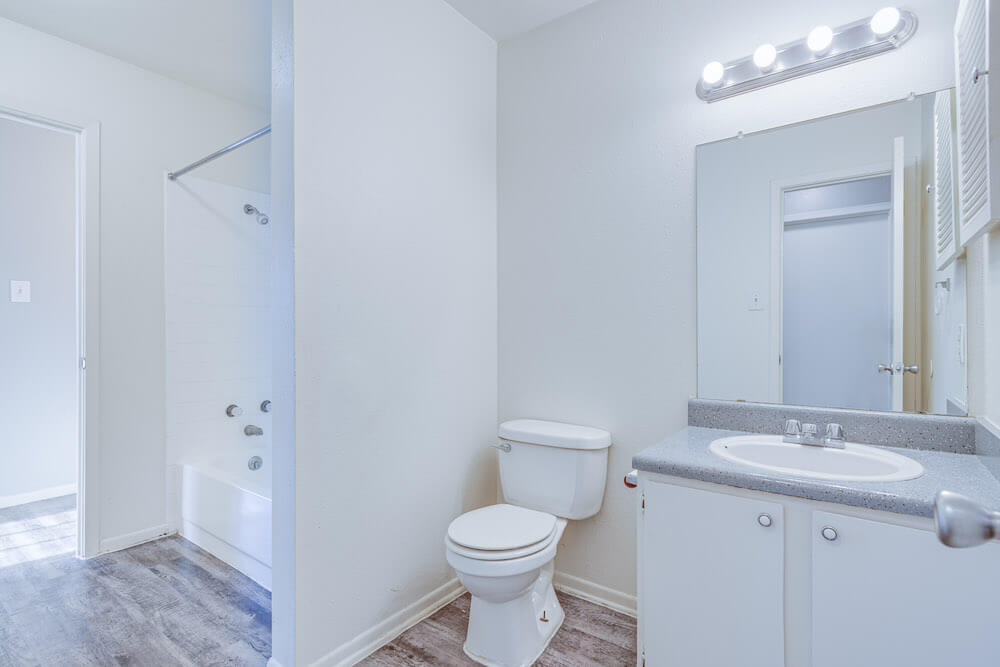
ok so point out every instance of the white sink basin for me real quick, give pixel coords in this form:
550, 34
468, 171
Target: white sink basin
854, 463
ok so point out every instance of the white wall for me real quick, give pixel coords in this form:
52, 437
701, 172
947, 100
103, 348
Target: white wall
149, 124
39, 392
395, 307
734, 218
217, 263
597, 127
283, 339
983, 284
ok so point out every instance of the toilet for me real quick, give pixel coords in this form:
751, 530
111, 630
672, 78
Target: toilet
504, 554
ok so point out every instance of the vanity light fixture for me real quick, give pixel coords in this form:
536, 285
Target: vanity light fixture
825, 47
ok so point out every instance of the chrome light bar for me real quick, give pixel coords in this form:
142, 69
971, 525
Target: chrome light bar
851, 42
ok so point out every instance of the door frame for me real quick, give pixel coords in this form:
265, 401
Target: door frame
778, 189
87, 135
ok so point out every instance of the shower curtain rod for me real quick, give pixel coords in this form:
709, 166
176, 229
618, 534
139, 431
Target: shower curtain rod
219, 153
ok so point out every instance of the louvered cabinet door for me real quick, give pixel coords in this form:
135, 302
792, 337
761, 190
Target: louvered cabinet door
946, 231
977, 31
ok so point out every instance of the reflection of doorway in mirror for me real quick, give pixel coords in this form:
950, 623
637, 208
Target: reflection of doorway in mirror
837, 294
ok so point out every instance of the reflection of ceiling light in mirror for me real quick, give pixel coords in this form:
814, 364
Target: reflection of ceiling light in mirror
820, 39
764, 56
885, 21
712, 74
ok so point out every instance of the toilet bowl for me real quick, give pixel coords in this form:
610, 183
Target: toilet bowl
514, 611
504, 554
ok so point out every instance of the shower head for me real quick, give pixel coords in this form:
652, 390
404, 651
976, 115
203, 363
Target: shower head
250, 209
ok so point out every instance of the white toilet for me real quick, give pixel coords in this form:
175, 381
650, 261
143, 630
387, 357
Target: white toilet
503, 554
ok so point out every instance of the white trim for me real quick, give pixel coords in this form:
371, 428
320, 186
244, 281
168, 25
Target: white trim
271, 662
778, 189
34, 496
839, 213
226, 552
382, 633
88, 275
129, 540
898, 221
596, 593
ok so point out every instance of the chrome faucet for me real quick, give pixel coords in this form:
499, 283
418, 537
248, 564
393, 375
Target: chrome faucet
253, 430
807, 434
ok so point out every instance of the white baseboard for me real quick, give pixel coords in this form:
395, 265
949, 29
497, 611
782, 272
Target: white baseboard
596, 593
271, 662
384, 632
35, 496
245, 563
133, 539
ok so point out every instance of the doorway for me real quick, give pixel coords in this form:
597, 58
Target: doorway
837, 314
44, 244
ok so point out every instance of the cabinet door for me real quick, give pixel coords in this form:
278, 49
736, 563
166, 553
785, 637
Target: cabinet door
889, 595
711, 579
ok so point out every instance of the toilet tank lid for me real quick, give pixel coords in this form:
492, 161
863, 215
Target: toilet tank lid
555, 434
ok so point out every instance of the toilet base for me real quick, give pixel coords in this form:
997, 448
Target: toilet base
513, 634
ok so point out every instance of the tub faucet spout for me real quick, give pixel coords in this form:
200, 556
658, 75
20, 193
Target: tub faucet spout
253, 430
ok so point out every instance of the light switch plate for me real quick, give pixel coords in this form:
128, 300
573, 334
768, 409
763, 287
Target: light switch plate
20, 291
755, 302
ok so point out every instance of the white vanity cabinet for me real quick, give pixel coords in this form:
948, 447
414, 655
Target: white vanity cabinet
735, 577
892, 595
712, 578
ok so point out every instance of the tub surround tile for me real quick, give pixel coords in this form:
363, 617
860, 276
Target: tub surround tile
893, 429
685, 454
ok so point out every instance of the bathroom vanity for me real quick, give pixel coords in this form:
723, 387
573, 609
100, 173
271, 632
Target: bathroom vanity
751, 567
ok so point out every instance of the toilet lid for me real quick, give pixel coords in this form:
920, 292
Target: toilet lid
501, 528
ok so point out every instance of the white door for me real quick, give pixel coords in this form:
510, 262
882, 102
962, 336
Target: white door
712, 579
889, 595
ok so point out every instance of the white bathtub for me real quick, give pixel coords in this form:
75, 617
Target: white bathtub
226, 510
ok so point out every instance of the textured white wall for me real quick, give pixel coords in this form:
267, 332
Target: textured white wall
598, 123
149, 124
39, 392
395, 305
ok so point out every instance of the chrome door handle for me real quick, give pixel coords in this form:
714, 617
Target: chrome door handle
886, 368
962, 522
908, 369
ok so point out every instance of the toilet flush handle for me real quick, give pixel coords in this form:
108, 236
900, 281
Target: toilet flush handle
502, 446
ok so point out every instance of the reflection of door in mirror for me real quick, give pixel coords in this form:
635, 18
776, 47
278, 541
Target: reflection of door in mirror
837, 294
823, 255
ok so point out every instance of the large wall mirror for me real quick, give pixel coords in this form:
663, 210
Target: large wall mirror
825, 275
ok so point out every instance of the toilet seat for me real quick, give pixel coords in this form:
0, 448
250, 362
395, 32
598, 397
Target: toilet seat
501, 531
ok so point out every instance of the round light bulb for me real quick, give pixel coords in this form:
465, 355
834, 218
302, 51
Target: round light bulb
764, 56
712, 74
819, 39
885, 21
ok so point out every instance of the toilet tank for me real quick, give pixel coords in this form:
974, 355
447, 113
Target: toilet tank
554, 467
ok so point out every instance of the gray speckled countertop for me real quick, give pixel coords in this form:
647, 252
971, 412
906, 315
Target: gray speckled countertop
685, 454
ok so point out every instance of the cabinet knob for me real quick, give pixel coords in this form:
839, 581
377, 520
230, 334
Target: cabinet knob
764, 520
829, 533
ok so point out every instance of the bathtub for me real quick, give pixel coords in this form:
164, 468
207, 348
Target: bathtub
226, 510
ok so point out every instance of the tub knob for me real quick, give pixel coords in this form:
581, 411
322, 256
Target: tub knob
234, 410
265, 406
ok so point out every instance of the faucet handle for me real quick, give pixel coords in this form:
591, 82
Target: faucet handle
793, 428
809, 430
835, 434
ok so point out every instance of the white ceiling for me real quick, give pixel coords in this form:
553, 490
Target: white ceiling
220, 45
503, 19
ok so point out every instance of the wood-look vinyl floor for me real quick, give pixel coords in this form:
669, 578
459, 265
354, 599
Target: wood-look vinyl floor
590, 635
161, 603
